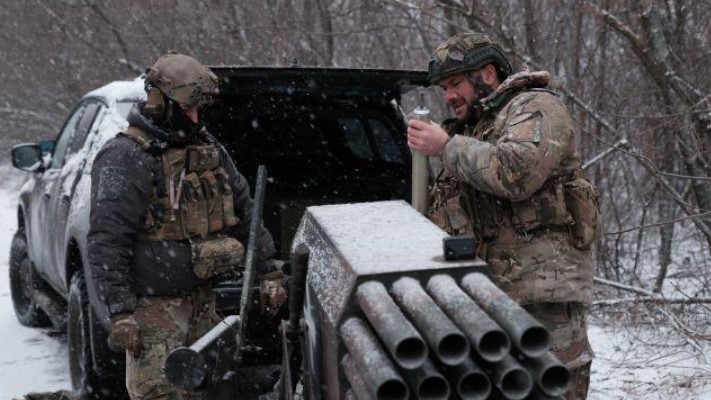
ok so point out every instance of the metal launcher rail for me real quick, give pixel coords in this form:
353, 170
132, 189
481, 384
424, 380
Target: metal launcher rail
388, 318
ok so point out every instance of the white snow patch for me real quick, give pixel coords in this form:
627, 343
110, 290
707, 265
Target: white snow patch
626, 365
641, 362
31, 360
121, 91
383, 236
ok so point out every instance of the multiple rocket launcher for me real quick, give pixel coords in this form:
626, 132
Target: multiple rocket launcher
446, 339
388, 318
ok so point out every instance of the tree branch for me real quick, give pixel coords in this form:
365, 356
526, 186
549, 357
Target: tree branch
642, 53
659, 223
653, 299
622, 286
690, 336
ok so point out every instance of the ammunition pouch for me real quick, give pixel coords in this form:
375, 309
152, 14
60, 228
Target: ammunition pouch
571, 205
214, 257
452, 217
195, 206
544, 209
564, 203
460, 211
194, 197
581, 200
449, 208
488, 214
202, 158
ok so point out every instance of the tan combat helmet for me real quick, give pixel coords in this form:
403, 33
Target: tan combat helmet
467, 51
180, 78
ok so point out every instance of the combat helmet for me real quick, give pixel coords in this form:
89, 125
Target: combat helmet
181, 79
467, 51
175, 82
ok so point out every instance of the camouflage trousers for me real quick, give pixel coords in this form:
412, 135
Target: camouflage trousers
167, 323
569, 341
552, 280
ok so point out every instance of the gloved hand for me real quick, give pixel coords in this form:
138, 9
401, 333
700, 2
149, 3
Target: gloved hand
272, 293
125, 333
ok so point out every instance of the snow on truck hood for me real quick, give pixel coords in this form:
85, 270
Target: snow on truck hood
120, 91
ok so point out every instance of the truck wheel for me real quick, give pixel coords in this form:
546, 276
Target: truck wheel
21, 285
86, 382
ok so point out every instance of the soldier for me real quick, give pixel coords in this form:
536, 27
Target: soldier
169, 214
509, 174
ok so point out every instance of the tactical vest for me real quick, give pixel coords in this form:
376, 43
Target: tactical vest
567, 203
193, 199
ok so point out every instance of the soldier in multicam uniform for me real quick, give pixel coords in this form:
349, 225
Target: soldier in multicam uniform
169, 214
507, 172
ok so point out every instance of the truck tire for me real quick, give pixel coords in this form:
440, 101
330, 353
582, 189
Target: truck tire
21, 285
86, 382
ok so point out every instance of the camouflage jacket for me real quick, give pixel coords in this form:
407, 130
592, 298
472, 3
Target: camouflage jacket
503, 180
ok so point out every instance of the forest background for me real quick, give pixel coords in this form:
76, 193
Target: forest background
634, 74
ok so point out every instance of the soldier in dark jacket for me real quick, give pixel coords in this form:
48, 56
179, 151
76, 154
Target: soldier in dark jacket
509, 174
169, 215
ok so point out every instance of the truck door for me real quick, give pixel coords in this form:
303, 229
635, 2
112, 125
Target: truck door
53, 204
40, 235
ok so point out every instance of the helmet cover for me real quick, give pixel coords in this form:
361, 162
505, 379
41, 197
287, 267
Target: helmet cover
466, 51
183, 79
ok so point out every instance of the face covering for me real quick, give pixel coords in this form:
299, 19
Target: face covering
180, 127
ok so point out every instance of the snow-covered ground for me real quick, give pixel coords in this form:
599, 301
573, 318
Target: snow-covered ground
31, 360
639, 362
643, 363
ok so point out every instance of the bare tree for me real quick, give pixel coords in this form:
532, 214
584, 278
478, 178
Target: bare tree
627, 69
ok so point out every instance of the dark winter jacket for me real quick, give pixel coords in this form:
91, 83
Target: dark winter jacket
124, 267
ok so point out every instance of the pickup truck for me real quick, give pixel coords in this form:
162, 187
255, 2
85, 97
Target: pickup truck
327, 136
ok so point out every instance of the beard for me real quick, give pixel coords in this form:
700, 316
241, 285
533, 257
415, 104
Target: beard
482, 90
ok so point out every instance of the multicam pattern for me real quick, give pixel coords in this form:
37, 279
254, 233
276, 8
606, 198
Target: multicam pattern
466, 51
514, 163
517, 150
509, 172
457, 45
167, 323
569, 341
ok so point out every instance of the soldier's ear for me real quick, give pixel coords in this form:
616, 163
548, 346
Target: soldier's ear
489, 76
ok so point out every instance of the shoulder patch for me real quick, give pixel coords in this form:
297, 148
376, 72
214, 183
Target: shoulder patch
525, 127
112, 182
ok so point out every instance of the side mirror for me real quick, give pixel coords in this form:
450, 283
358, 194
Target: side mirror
47, 149
27, 157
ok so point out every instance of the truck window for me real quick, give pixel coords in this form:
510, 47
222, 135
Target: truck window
124, 107
60, 149
385, 142
356, 138
83, 127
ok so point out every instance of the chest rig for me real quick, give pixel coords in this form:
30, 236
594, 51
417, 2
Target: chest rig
191, 197
459, 209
